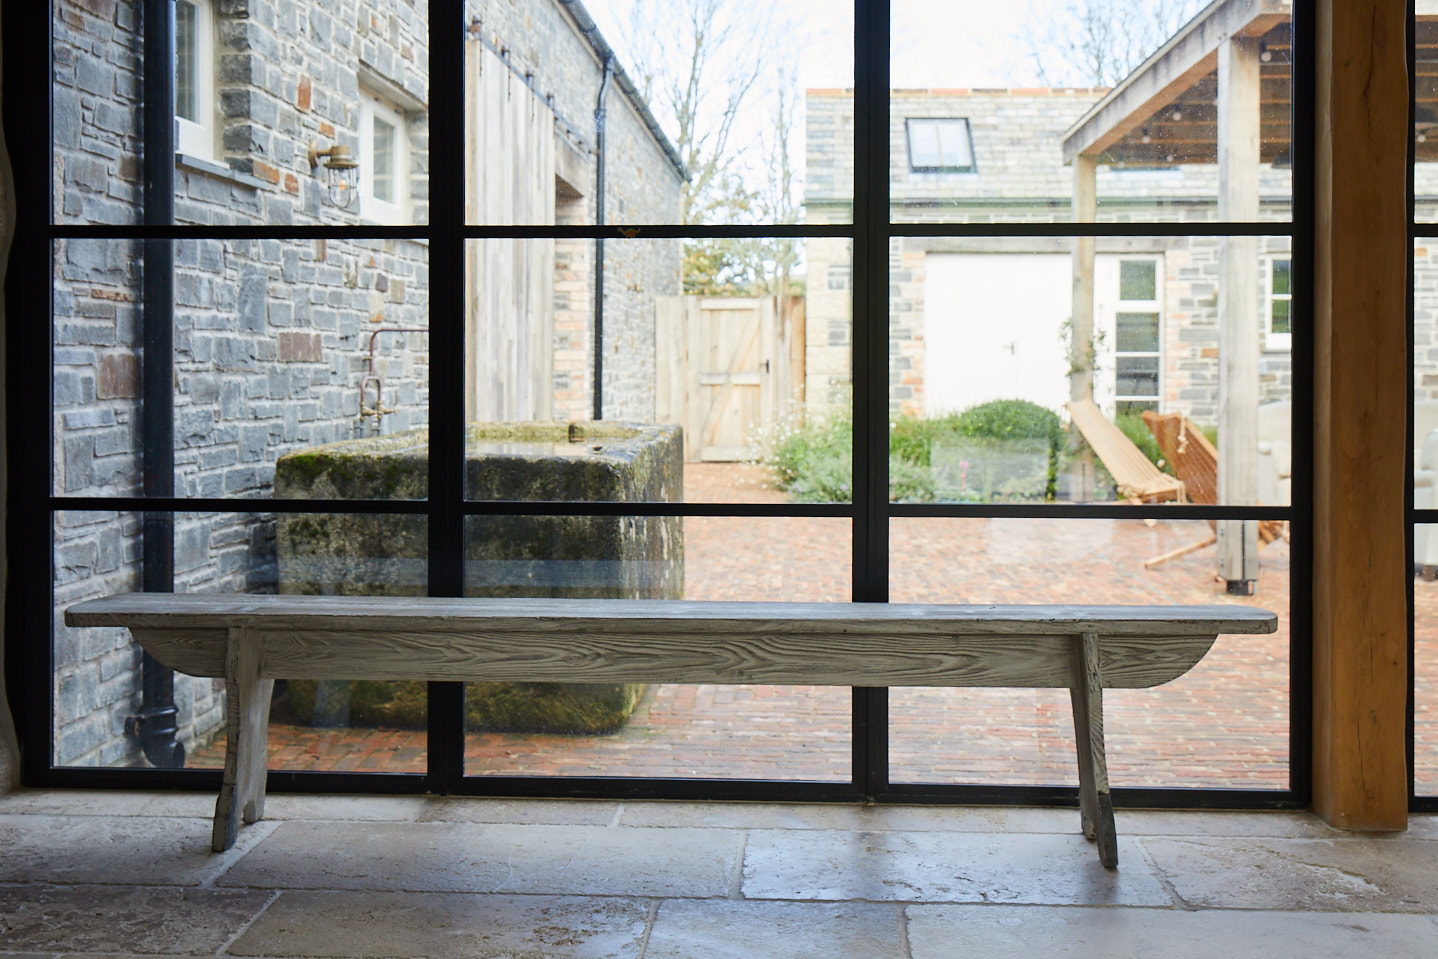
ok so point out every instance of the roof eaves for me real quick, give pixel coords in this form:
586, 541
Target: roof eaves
590, 31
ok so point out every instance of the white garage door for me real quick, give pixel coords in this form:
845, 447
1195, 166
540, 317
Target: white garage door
995, 328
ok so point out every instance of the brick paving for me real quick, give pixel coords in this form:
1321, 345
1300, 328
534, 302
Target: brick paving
1225, 724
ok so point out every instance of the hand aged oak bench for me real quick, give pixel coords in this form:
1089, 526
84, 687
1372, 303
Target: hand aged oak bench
251, 641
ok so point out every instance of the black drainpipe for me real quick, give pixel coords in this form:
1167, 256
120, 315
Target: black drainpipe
601, 113
156, 725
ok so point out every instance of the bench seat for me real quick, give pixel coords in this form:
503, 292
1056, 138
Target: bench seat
252, 640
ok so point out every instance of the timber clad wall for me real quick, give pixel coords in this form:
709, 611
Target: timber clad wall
272, 338
538, 40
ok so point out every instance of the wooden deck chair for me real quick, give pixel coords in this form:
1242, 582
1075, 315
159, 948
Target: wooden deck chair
1195, 460
1138, 479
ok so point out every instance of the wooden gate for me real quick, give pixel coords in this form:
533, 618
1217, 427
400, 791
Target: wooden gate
728, 370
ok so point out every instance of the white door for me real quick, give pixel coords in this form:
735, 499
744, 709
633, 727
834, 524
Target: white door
995, 327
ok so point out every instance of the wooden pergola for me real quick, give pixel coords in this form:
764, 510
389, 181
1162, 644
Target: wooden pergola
1218, 92
1360, 639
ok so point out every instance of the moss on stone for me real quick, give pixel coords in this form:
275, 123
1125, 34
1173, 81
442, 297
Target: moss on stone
537, 556
578, 708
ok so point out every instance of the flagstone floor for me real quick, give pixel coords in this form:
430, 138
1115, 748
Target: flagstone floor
130, 874
1225, 724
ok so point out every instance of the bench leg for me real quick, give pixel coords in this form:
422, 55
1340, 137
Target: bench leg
1095, 802
247, 719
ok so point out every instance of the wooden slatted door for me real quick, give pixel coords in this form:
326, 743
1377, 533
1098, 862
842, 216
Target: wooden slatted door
722, 373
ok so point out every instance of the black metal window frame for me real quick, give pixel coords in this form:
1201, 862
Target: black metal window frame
29, 605
1416, 231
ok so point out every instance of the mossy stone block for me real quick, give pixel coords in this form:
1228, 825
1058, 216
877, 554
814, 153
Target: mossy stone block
560, 556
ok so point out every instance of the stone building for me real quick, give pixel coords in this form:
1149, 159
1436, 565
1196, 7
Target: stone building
980, 318
279, 345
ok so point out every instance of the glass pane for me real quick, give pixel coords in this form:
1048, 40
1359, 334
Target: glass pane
294, 363
1279, 316
95, 113
1136, 376
1425, 656
705, 117
1137, 280
634, 729
939, 145
1425, 128
709, 390
1156, 737
1137, 333
247, 160
96, 383
1043, 83
186, 54
101, 710
985, 357
384, 148
1282, 276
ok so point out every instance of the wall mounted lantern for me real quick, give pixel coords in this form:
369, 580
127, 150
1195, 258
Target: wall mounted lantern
341, 173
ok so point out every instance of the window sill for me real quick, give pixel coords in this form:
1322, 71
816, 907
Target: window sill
219, 171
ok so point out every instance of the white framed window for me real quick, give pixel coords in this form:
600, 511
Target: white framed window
1278, 304
383, 161
1129, 323
940, 145
195, 127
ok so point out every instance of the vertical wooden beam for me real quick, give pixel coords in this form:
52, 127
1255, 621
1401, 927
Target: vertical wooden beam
1081, 358
1360, 680
1081, 343
1238, 131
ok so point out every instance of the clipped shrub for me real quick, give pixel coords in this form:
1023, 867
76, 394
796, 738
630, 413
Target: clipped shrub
1001, 435
813, 461
1011, 419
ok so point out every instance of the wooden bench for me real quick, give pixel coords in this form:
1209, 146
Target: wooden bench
251, 641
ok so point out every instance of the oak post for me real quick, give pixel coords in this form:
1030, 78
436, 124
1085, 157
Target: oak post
1360, 631
1238, 161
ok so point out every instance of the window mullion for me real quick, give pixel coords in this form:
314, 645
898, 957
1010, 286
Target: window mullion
871, 363
446, 428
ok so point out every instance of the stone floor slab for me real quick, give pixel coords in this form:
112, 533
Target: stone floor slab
942, 932
107, 802
121, 849
730, 929
103, 919
1272, 825
1355, 874
849, 816
345, 808
445, 926
1423, 825
939, 867
463, 857
552, 812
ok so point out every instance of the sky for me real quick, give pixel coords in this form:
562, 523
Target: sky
935, 43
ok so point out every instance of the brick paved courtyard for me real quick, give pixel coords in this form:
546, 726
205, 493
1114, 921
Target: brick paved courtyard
1225, 724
